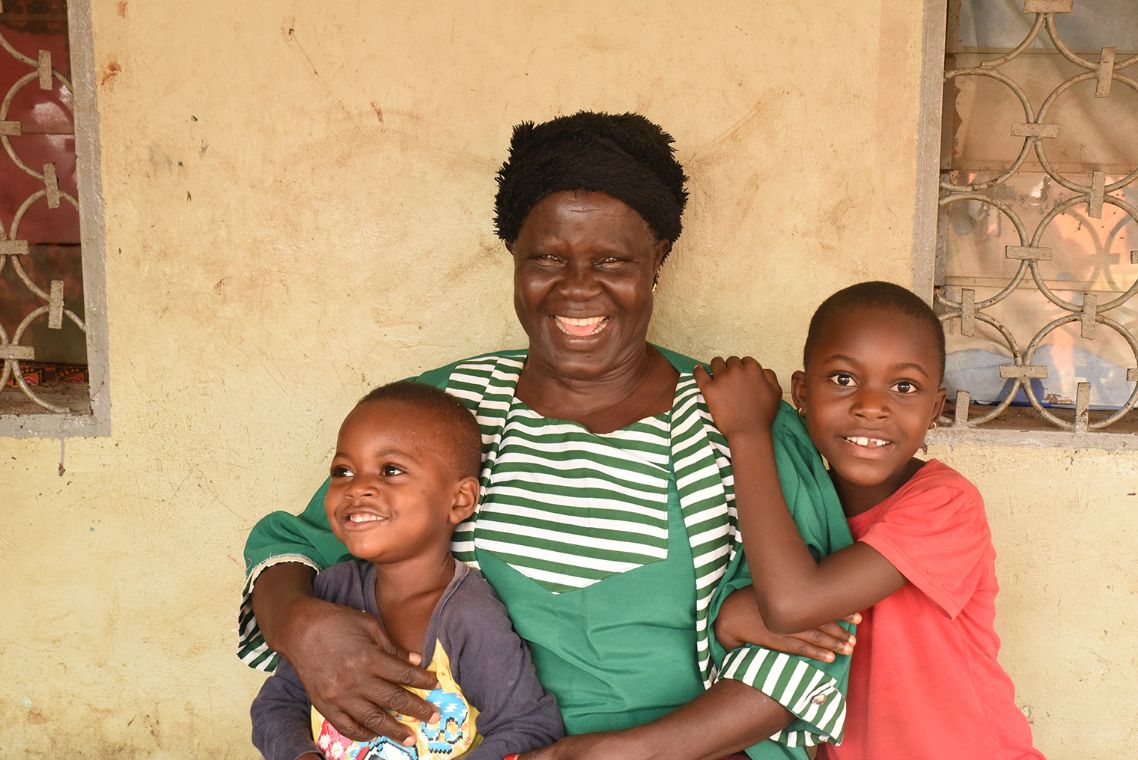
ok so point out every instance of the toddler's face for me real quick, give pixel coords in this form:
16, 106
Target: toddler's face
392, 487
870, 391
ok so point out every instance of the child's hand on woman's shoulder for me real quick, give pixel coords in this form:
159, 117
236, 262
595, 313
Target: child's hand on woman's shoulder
742, 395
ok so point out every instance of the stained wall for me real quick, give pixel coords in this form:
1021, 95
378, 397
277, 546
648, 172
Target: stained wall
298, 207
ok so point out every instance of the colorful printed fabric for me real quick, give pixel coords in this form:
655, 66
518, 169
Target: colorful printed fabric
453, 736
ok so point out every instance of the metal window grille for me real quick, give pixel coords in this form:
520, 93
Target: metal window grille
52, 326
1037, 272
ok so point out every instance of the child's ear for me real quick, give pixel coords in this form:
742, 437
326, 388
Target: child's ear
798, 391
465, 500
938, 407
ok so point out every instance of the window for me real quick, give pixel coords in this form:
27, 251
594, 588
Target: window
52, 293
1036, 272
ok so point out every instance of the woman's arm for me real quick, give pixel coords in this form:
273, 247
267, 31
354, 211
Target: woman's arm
793, 591
727, 718
352, 673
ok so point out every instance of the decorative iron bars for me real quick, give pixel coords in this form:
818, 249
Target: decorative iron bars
1024, 245
41, 296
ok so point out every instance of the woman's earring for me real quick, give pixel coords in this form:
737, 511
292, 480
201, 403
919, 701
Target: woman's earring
801, 411
934, 425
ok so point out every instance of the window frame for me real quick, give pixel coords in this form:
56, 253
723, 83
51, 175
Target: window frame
925, 252
92, 245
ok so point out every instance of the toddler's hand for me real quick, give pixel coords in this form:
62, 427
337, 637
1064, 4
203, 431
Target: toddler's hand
741, 394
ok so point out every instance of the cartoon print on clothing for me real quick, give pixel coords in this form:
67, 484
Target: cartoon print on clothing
455, 734
448, 732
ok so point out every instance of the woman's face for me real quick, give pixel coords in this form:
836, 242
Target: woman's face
584, 264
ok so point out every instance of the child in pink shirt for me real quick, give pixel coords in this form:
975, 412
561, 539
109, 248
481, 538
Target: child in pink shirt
925, 681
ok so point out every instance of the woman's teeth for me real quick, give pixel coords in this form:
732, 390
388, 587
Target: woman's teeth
861, 440
579, 327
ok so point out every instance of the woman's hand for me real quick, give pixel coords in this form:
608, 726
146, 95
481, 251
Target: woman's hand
353, 674
610, 744
742, 396
739, 623
726, 718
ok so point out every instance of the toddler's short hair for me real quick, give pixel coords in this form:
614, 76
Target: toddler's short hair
463, 433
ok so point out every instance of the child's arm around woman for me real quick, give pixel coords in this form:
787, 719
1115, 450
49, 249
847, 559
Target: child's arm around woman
926, 680
793, 591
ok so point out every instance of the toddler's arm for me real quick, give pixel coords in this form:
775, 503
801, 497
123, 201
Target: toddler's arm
281, 713
793, 592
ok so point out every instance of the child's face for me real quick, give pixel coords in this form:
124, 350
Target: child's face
870, 391
394, 493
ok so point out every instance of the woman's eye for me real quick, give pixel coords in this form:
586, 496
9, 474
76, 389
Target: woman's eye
390, 471
340, 471
843, 379
609, 262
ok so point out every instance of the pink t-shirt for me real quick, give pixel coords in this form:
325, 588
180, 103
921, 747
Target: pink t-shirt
924, 681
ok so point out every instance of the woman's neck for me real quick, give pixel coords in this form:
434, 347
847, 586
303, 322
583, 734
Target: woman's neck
642, 386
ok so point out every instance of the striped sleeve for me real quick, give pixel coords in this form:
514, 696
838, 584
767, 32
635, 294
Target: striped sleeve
812, 691
277, 538
808, 693
251, 647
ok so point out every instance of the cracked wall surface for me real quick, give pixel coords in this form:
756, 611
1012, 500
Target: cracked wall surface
298, 207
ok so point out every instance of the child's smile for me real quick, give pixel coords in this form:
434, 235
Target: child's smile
391, 489
873, 443
870, 391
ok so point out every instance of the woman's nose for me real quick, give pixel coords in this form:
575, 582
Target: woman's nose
579, 280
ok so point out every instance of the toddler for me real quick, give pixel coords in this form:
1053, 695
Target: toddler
404, 474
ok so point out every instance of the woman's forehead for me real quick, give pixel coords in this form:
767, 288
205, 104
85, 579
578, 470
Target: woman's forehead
584, 213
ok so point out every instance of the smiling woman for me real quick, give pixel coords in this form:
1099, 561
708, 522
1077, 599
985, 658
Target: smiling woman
584, 264
606, 520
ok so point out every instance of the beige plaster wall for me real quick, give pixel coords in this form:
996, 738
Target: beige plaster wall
298, 207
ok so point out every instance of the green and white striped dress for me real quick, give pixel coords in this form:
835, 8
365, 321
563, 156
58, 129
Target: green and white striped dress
567, 507
572, 512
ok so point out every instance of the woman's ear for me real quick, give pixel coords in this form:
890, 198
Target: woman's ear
465, 500
798, 391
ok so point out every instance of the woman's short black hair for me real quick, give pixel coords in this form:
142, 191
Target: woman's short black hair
878, 294
462, 429
626, 156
